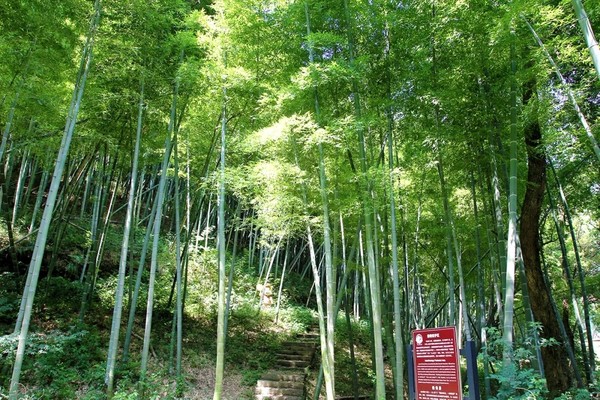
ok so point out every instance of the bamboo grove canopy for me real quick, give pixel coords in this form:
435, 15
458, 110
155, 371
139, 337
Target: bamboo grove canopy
431, 163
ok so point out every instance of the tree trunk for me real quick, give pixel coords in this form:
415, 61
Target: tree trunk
554, 357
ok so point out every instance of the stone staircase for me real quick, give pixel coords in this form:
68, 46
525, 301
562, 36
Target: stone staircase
287, 381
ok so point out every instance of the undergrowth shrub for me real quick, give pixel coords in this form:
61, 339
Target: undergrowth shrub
517, 380
576, 394
297, 319
9, 302
56, 363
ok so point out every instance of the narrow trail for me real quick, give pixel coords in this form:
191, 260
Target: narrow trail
287, 382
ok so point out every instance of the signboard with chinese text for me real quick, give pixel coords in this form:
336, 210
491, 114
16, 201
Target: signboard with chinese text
436, 364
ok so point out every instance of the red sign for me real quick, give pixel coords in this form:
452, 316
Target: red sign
436, 363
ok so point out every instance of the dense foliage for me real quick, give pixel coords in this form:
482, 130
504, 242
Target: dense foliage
383, 151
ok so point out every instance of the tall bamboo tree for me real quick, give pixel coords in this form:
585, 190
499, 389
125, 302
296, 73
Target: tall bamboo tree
156, 228
368, 213
588, 33
511, 250
220, 365
330, 280
61, 159
117, 311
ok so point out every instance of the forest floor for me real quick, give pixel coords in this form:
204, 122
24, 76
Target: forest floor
66, 356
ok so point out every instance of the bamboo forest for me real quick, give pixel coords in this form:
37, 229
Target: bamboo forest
271, 199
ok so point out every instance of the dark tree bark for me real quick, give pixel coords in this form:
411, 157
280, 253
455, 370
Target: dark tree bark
567, 323
554, 357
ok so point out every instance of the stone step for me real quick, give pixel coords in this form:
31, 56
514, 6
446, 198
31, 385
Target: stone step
294, 355
279, 384
277, 397
286, 384
303, 340
297, 350
308, 335
299, 345
279, 391
299, 353
283, 376
304, 343
293, 363
360, 397
309, 347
